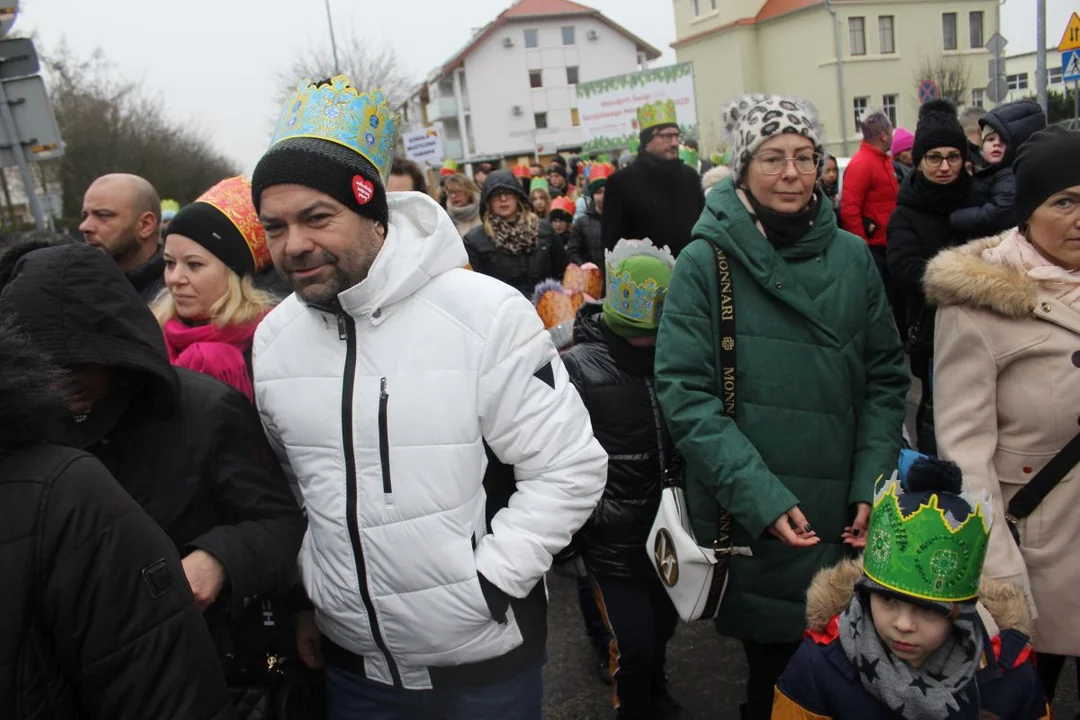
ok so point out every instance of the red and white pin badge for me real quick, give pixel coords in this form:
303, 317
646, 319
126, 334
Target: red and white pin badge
362, 189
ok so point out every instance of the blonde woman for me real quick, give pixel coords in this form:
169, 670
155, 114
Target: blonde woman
462, 203
513, 244
210, 306
540, 197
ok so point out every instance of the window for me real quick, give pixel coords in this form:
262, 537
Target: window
572, 75
697, 8
1053, 75
540, 119
568, 35
978, 97
975, 26
712, 4
860, 104
1017, 82
888, 106
948, 30
857, 35
575, 118
886, 35
536, 78
532, 38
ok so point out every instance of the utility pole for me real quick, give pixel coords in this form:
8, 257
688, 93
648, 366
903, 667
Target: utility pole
1040, 55
333, 41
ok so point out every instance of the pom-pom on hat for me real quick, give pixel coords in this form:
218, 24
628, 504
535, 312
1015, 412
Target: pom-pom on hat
927, 540
750, 120
223, 220
638, 275
938, 127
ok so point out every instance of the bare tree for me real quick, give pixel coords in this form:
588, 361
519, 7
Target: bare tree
110, 124
951, 75
368, 67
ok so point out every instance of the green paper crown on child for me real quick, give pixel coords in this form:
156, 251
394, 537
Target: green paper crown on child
638, 275
928, 540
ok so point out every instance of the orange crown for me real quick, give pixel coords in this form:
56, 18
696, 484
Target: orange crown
565, 204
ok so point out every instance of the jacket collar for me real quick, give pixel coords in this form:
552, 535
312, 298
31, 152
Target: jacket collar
421, 244
877, 152
961, 277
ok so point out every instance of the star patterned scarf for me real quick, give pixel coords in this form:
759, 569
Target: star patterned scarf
943, 687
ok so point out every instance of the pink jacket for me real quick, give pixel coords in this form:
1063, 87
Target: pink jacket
215, 351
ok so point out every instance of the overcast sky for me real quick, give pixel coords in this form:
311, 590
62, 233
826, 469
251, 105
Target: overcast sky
217, 61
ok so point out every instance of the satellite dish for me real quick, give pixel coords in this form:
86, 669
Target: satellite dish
9, 10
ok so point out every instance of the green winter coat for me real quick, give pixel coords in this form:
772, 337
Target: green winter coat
820, 391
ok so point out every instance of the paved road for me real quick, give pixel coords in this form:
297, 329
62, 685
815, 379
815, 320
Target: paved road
707, 672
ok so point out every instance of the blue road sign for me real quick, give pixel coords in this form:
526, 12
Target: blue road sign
1070, 65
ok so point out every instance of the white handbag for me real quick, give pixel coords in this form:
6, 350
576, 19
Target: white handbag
694, 577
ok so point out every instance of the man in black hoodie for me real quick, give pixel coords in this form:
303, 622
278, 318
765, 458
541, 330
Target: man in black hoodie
97, 621
658, 196
988, 209
188, 449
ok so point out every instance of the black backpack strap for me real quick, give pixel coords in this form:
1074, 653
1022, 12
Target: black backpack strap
1025, 501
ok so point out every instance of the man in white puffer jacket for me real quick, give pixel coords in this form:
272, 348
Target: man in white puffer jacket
442, 455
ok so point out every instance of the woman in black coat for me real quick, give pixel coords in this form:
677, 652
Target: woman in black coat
96, 620
919, 229
513, 244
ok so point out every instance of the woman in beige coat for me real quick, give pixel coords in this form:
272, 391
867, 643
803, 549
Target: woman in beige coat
1007, 381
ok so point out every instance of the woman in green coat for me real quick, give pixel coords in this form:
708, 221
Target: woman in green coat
819, 386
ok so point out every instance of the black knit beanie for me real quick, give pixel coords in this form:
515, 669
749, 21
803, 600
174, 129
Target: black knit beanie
334, 169
1047, 163
938, 127
209, 227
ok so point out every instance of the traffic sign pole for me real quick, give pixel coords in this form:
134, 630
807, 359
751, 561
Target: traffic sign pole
20, 158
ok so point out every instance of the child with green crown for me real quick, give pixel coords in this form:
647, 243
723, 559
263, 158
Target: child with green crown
909, 632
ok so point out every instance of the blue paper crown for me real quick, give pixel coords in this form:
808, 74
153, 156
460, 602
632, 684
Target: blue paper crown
337, 112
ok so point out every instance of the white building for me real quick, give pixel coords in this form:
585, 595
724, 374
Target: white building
511, 91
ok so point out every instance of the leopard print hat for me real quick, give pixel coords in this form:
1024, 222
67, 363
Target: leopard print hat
750, 120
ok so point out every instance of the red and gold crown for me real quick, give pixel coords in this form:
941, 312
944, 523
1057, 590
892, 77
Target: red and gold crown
232, 197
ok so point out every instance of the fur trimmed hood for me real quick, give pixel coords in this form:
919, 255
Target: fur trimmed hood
1002, 606
960, 276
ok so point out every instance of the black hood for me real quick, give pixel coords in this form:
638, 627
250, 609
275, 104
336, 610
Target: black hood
919, 194
1015, 122
31, 411
78, 307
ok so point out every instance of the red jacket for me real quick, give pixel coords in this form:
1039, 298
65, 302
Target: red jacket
869, 193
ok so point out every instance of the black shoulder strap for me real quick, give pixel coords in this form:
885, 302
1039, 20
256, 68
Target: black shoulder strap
1025, 501
726, 311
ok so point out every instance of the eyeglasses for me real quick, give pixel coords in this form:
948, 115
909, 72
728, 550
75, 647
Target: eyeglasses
934, 160
774, 163
669, 136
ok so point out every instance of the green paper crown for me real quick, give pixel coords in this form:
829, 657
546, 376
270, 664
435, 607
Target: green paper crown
538, 183
661, 112
688, 155
337, 112
638, 274
928, 554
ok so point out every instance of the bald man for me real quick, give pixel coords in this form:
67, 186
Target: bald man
121, 215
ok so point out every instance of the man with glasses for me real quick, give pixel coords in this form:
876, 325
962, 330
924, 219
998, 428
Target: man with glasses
657, 196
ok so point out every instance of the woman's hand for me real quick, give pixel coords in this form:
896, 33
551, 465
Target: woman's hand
206, 577
308, 640
792, 528
855, 533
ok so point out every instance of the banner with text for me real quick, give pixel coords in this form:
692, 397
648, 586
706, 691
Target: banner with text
608, 107
424, 147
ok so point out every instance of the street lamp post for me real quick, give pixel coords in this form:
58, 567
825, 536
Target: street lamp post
333, 42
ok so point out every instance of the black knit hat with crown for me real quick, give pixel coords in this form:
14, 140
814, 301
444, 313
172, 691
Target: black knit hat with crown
328, 167
938, 127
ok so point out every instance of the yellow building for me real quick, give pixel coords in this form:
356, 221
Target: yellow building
789, 47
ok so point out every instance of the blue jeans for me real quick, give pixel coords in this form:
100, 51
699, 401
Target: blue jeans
353, 697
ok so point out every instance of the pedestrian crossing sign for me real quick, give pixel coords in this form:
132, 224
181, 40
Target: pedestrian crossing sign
1070, 65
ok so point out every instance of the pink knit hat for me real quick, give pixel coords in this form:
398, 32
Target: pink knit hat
902, 140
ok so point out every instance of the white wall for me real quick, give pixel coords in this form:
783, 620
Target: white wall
498, 79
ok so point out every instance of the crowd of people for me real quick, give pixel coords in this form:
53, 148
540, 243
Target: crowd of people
310, 449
